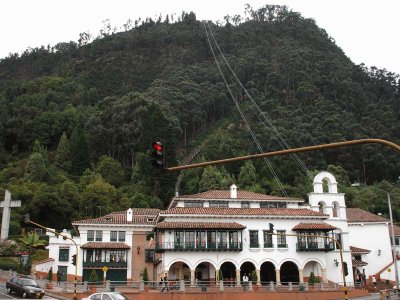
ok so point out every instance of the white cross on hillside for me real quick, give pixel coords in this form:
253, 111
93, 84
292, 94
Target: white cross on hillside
6, 205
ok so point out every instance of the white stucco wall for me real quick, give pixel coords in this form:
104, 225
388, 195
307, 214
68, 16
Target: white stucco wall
373, 237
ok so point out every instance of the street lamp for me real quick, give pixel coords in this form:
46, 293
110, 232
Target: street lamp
396, 271
65, 237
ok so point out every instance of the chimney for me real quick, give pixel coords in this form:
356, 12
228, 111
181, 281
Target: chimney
233, 189
129, 215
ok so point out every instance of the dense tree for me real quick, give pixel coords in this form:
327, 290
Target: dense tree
111, 170
62, 159
80, 160
36, 169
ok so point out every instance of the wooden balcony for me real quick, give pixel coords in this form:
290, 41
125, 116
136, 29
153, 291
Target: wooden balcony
191, 246
100, 264
314, 246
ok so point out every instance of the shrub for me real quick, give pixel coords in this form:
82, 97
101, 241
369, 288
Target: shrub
7, 263
253, 276
145, 275
50, 274
93, 277
312, 279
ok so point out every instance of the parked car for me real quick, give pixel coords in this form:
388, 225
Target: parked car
106, 296
24, 286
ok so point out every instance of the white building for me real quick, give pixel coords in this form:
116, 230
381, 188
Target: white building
204, 236
118, 243
228, 233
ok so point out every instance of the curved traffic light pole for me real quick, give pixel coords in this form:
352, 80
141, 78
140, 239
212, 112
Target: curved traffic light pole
27, 220
286, 151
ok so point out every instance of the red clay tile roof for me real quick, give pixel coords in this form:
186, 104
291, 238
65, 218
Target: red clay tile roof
355, 215
141, 216
314, 226
287, 212
241, 195
356, 250
199, 225
359, 263
99, 245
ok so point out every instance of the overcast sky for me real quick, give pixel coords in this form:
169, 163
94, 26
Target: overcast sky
366, 30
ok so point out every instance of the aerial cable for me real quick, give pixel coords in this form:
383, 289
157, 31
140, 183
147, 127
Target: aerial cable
243, 117
281, 140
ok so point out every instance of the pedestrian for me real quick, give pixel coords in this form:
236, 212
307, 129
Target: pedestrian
245, 281
165, 280
59, 274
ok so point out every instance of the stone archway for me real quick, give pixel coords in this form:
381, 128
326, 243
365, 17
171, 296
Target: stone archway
267, 272
204, 273
247, 268
228, 271
179, 271
289, 272
315, 267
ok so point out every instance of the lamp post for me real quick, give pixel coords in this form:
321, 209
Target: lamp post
27, 220
394, 256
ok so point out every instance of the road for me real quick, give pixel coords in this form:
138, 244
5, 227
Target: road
4, 295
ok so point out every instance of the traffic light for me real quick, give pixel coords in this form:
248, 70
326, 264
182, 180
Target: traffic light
27, 218
271, 227
158, 155
74, 259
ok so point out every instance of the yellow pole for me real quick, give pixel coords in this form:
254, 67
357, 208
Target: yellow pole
287, 151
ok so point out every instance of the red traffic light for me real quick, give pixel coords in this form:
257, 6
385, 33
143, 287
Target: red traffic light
158, 155
158, 146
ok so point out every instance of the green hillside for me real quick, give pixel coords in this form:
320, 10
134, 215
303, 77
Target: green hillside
77, 119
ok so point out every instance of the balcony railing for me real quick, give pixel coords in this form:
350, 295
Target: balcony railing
200, 246
254, 245
315, 246
282, 245
110, 264
268, 245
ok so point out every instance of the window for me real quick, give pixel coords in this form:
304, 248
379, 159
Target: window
179, 238
189, 239
281, 238
150, 255
254, 239
233, 239
221, 239
268, 239
63, 254
211, 239
272, 205
121, 255
117, 236
245, 204
335, 210
113, 236
113, 255
90, 235
89, 255
98, 255
222, 204
99, 235
396, 240
121, 236
193, 204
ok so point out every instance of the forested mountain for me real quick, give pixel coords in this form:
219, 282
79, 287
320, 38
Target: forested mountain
77, 120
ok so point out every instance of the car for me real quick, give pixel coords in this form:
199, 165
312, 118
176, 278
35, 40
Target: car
106, 296
24, 286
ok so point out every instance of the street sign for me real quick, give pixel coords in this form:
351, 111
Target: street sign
389, 270
105, 269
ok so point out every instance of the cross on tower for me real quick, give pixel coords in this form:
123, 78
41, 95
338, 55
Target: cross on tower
6, 205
